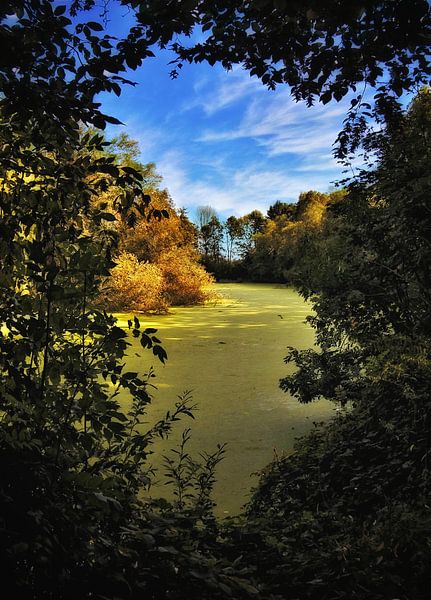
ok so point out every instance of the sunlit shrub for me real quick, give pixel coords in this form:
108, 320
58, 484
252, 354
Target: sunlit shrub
134, 286
185, 281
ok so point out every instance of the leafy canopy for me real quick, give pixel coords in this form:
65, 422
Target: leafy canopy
322, 49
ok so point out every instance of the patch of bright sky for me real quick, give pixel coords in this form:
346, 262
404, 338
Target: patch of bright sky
222, 138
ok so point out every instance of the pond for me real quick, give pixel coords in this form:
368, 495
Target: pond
229, 354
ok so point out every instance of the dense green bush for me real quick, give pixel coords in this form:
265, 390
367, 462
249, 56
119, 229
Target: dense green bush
73, 445
348, 514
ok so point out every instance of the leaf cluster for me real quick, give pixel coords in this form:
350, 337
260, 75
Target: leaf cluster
347, 514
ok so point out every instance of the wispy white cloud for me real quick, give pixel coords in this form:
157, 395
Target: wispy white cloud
318, 162
213, 94
186, 189
281, 126
229, 142
236, 190
149, 137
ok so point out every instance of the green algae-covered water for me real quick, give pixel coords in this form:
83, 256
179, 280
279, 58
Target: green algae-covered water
230, 355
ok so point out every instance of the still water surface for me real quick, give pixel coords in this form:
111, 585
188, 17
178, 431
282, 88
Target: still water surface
230, 355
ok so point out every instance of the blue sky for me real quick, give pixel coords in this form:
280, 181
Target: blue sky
222, 138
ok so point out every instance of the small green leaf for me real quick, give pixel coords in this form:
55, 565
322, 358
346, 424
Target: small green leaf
160, 352
95, 26
106, 216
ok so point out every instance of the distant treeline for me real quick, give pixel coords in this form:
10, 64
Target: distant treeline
162, 258
262, 248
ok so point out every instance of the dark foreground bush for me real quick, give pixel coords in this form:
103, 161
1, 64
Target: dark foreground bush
348, 515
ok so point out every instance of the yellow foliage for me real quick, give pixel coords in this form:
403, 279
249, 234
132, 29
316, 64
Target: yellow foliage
158, 264
149, 239
134, 286
185, 281
176, 279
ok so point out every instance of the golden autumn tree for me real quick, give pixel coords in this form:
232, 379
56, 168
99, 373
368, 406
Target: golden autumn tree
157, 262
289, 235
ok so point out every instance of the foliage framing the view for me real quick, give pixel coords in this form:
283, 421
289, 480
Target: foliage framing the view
73, 460
71, 524
349, 514
322, 49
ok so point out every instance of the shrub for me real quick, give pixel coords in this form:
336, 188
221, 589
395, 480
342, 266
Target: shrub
133, 285
185, 281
